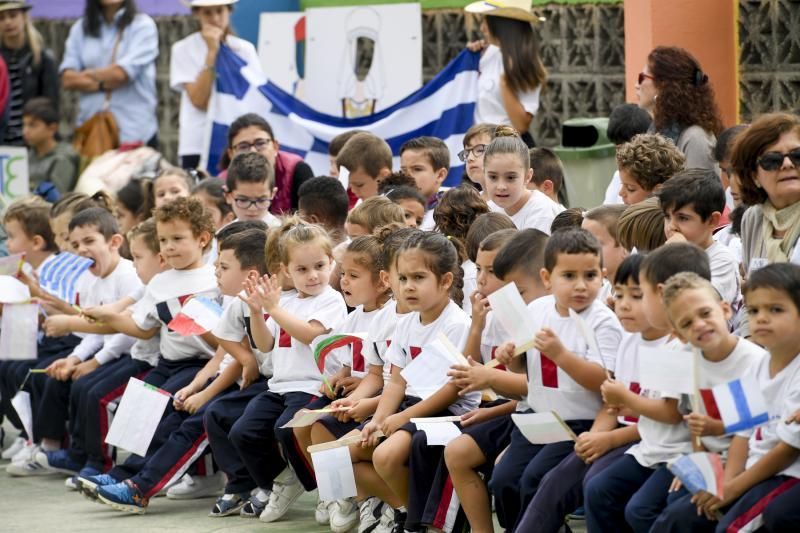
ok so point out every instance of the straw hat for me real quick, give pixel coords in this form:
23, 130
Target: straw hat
510, 9
8, 5
208, 3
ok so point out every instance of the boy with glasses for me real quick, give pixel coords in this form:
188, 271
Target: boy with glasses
250, 187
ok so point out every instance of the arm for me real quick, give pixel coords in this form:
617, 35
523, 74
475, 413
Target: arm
112, 77
369, 386
505, 356
520, 119
664, 410
124, 323
587, 374
296, 327
199, 91
480, 307
776, 460
245, 357
478, 377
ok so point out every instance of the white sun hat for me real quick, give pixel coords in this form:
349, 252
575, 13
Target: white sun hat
512, 9
208, 3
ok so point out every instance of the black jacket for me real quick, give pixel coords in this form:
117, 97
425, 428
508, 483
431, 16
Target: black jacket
39, 80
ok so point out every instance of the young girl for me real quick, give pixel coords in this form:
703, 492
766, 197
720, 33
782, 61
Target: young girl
170, 184
454, 214
134, 204
211, 194
65, 208
508, 170
428, 270
371, 214
476, 140
412, 202
293, 323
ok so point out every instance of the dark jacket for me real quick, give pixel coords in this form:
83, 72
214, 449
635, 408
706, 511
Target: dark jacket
39, 80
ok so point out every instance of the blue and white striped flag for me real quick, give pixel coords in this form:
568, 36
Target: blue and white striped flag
59, 276
739, 404
444, 108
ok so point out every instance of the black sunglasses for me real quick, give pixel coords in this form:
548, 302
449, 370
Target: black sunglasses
774, 160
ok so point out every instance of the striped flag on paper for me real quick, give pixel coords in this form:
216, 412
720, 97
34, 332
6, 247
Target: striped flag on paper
197, 316
328, 344
59, 276
443, 108
700, 471
738, 403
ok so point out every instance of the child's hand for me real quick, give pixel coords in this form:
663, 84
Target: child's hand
470, 378
348, 384
547, 342
505, 353
100, 313
360, 410
328, 389
182, 395
369, 435
61, 369
57, 326
251, 297
701, 425
193, 403
591, 446
476, 416
393, 423
343, 416
794, 418
480, 308
250, 373
270, 290
85, 368
614, 393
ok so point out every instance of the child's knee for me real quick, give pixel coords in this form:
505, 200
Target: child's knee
319, 433
392, 452
460, 453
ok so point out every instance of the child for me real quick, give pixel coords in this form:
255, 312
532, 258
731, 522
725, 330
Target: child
211, 194
67, 206
508, 170
427, 266
602, 223
427, 160
568, 218
457, 210
293, 323
625, 122
646, 162
335, 146
49, 161
170, 184
548, 174
664, 436
134, 203
482, 227
368, 159
403, 190
323, 200
563, 374
640, 227
476, 140
372, 214
250, 186
561, 490
692, 202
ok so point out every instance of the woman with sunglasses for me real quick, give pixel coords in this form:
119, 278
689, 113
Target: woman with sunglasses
511, 71
766, 158
251, 132
676, 92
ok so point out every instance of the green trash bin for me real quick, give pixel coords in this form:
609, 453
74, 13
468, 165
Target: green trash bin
589, 160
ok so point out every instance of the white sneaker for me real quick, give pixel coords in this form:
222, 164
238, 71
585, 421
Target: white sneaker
386, 522
26, 453
283, 495
28, 469
344, 516
11, 451
322, 514
191, 487
369, 514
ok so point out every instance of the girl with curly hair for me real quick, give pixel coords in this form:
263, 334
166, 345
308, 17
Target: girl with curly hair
674, 89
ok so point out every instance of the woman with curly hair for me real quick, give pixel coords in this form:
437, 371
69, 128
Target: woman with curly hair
677, 93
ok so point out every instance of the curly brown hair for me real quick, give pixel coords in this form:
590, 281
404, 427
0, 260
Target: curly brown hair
455, 213
685, 96
188, 210
651, 159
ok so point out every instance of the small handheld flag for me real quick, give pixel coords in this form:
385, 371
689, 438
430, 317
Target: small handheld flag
333, 342
59, 276
700, 471
199, 315
11, 265
13, 291
738, 403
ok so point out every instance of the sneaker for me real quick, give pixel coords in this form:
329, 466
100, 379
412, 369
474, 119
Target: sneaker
71, 483
229, 504
124, 496
28, 469
88, 485
58, 461
344, 516
254, 506
322, 514
11, 451
282, 497
369, 513
577, 514
191, 487
26, 453
386, 521
399, 521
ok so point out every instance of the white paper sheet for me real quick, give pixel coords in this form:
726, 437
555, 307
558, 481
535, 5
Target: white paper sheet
334, 472
22, 404
588, 336
439, 433
435, 419
137, 417
666, 371
306, 417
427, 373
543, 428
13, 291
20, 327
510, 309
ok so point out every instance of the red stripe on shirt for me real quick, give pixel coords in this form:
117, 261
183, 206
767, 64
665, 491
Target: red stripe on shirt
549, 372
358, 357
415, 351
284, 339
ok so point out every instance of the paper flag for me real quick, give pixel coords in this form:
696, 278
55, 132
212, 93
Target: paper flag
333, 469
543, 428
22, 405
438, 433
198, 315
510, 309
13, 291
700, 471
306, 417
667, 371
137, 417
327, 345
19, 331
344, 441
739, 404
11, 265
59, 275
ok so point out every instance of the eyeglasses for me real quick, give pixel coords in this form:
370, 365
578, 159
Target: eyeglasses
243, 202
774, 160
477, 150
644, 76
258, 144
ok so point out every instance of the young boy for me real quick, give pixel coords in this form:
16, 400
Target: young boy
368, 158
692, 202
664, 435
475, 141
241, 258
646, 162
625, 122
323, 200
602, 223
250, 186
50, 163
563, 374
427, 160
548, 174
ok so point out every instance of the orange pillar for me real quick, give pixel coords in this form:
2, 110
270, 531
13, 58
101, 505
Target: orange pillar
706, 28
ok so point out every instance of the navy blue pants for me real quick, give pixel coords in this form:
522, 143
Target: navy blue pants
220, 415
644, 489
259, 430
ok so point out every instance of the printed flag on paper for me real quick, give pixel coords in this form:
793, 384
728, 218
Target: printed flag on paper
60, 275
443, 108
329, 344
199, 315
700, 471
19, 331
738, 403
11, 265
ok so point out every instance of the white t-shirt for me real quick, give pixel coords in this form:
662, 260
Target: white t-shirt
612, 191
782, 395
470, 284
732, 241
661, 443
428, 224
489, 107
162, 301
411, 336
187, 60
293, 365
724, 271
549, 387
144, 349
379, 337
352, 355
538, 212
627, 368
492, 336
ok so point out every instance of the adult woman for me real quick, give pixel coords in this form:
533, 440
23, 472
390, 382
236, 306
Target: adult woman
191, 71
32, 70
113, 49
766, 159
511, 72
676, 92
252, 132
